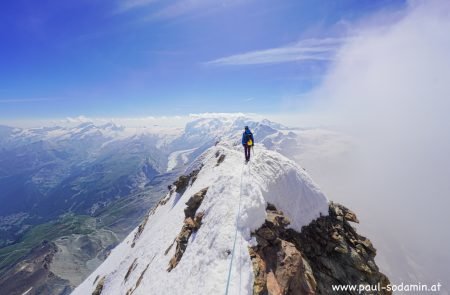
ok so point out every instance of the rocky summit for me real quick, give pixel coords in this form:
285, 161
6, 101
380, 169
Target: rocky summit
327, 252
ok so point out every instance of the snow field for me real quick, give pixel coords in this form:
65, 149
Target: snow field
203, 269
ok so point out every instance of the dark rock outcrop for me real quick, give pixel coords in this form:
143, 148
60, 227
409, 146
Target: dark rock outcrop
141, 276
192, 223
179, 186
140, 230
194, 203
184, 181
99, 288
130, 269
327, 252
220, 158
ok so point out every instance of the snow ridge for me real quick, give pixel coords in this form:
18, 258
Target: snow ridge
203, 268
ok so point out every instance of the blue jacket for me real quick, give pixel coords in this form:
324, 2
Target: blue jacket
247, 133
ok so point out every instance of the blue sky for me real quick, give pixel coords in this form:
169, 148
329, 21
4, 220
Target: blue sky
150, 57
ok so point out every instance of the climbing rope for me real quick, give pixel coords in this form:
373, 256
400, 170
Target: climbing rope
249, 176
235, 234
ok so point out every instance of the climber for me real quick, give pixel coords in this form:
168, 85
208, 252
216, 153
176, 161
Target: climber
247, 142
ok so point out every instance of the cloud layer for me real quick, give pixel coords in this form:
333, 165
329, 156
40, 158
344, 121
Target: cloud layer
389, 87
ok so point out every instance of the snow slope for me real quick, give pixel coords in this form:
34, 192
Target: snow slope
203, 269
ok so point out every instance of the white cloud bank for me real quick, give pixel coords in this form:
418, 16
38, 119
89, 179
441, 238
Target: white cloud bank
390, 88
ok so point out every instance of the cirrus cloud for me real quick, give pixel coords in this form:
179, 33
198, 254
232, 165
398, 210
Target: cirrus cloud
308, 49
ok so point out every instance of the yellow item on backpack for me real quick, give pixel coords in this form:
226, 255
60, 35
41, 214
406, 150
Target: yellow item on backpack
249, 142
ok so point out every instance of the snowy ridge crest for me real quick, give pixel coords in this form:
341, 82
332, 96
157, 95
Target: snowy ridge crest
220, 181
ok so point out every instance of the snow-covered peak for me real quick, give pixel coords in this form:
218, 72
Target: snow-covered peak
186, 244
197, 132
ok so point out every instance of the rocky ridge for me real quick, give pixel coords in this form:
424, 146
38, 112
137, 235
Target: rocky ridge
326, 252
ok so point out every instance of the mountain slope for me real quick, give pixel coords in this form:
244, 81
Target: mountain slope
106, 177
210, 222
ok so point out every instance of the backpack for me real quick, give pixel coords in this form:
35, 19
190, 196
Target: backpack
248, 139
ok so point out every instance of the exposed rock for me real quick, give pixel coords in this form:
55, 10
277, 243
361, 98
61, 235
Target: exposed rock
141, 276
179, 186
170, 247
96, 278
327, 252
194, 202
99, 288
183, 181
130, 269
140, 230
340, 211
220, 159
259, 271
281, 269
191, 224
138, 282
